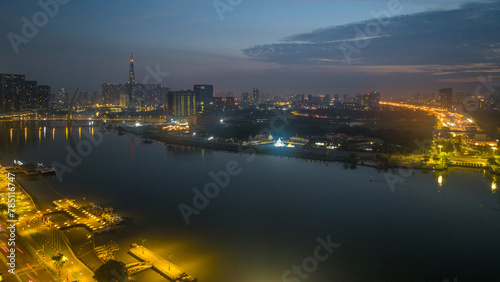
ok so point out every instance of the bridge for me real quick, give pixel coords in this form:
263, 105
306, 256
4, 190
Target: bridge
88, 118
161, 265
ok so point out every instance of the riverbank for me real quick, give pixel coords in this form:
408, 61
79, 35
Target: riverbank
42, 251
300, 153
376, 160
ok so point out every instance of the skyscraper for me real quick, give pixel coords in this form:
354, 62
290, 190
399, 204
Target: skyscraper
31, 93
139, 96
17, 94
256, 98
131, 73
12, 92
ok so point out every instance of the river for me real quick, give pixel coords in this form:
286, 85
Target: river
274, 212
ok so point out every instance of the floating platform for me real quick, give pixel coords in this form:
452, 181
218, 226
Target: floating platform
160, 264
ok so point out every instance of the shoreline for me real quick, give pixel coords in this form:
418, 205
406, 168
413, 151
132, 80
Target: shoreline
32, 244
322, 155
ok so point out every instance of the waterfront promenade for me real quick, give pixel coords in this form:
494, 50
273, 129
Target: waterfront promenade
36, 251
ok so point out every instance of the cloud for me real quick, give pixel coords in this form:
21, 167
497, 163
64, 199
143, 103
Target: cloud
465, 79
464, 36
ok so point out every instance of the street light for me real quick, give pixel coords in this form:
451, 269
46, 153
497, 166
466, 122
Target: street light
440, 146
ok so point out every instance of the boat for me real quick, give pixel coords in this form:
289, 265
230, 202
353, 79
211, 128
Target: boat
105, 229
42, 169
47, 170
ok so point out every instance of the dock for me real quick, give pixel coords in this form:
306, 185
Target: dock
161, 265
81, 217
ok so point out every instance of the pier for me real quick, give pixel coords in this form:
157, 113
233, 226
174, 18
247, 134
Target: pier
160, 264
81, 217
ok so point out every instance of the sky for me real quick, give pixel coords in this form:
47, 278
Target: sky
281, 47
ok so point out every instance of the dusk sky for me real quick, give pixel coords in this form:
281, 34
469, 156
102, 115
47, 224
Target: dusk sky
281, 47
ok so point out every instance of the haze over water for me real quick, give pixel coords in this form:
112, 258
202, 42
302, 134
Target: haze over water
270, 216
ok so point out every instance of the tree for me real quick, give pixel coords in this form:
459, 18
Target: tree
59, 260
111, 271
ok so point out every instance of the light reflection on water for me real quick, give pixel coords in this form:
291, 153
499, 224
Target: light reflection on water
269, 217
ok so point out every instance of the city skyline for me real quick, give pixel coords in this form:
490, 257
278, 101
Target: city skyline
263, 140
244, 49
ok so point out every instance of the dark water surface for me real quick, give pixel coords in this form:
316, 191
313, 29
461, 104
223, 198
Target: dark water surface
273, 214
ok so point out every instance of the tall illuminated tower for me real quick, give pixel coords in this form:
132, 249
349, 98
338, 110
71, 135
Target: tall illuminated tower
131, 74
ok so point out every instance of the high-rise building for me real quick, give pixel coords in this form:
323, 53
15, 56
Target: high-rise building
131, 88
204, 96
374, 101
31, 93
245, 101
140, 96
12, 90
314, 100
123, 100
163, 95
61, 100
368, 101
17, 94
256, 98
131, 73
445, 97
111, 93
218, 104
229, 102
182, 103
96, 98
42, 97
299, 98
327, 99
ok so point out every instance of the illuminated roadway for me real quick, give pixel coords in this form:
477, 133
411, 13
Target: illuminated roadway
447, 119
